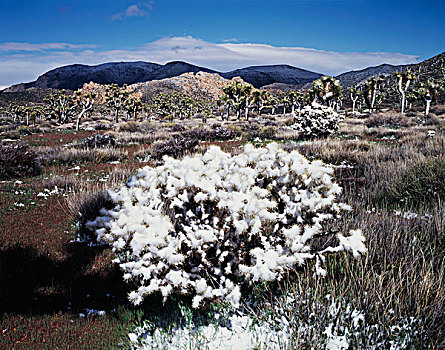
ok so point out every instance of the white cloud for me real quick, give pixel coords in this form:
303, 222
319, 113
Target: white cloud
27, 65
136, 10
42, 46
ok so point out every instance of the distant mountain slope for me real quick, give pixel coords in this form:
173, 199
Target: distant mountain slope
260, 76
73, 77
283, 76
358, 76
174, 69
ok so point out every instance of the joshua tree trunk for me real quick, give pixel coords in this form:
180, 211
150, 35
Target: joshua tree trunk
374, 94
27, 118
116, 116
354, 100
79, 117
427, 108
246, 113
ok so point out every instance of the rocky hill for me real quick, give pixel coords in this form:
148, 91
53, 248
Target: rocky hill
359, 76
200, 85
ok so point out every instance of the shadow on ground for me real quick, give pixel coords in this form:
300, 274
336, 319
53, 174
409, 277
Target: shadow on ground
33, 283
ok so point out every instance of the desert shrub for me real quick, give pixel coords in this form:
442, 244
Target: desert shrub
200, 134
18, 160
431, 120
422, 184
268, 132
175, 147
316, 121
203, 134
99, 140
389, 120
222, 133
256, 131
251, 130
289, 122
438, 109
12, 134
25, 131
100, 127
205, 226
178, 128
69, 156
137, 138
130, 126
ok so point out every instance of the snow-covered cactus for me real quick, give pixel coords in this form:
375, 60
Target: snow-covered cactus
203, 226
316, 121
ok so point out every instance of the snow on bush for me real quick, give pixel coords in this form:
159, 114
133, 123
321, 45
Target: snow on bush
316, 121
204, 225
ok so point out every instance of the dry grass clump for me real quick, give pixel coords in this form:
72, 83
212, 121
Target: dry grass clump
390, 119
438, 109
70, 156
335, 151
134, 126
124, 138
87, 198
18, 160
422, 184
401, 277
176, 147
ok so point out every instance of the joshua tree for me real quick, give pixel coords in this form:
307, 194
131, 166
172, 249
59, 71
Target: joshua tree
237, 95
61, 105
133, 106
295, 98
84, 103
403, 82
371, 87
326, 90
354, 93
222, 102
428, 92
260, 99
115, 98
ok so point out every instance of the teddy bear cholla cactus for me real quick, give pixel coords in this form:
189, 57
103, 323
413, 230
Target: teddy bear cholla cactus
316, 121
203, 226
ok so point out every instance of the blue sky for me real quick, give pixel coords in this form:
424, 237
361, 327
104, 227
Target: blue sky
328, 36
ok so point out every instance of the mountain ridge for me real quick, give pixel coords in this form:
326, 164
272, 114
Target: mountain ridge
72, 77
